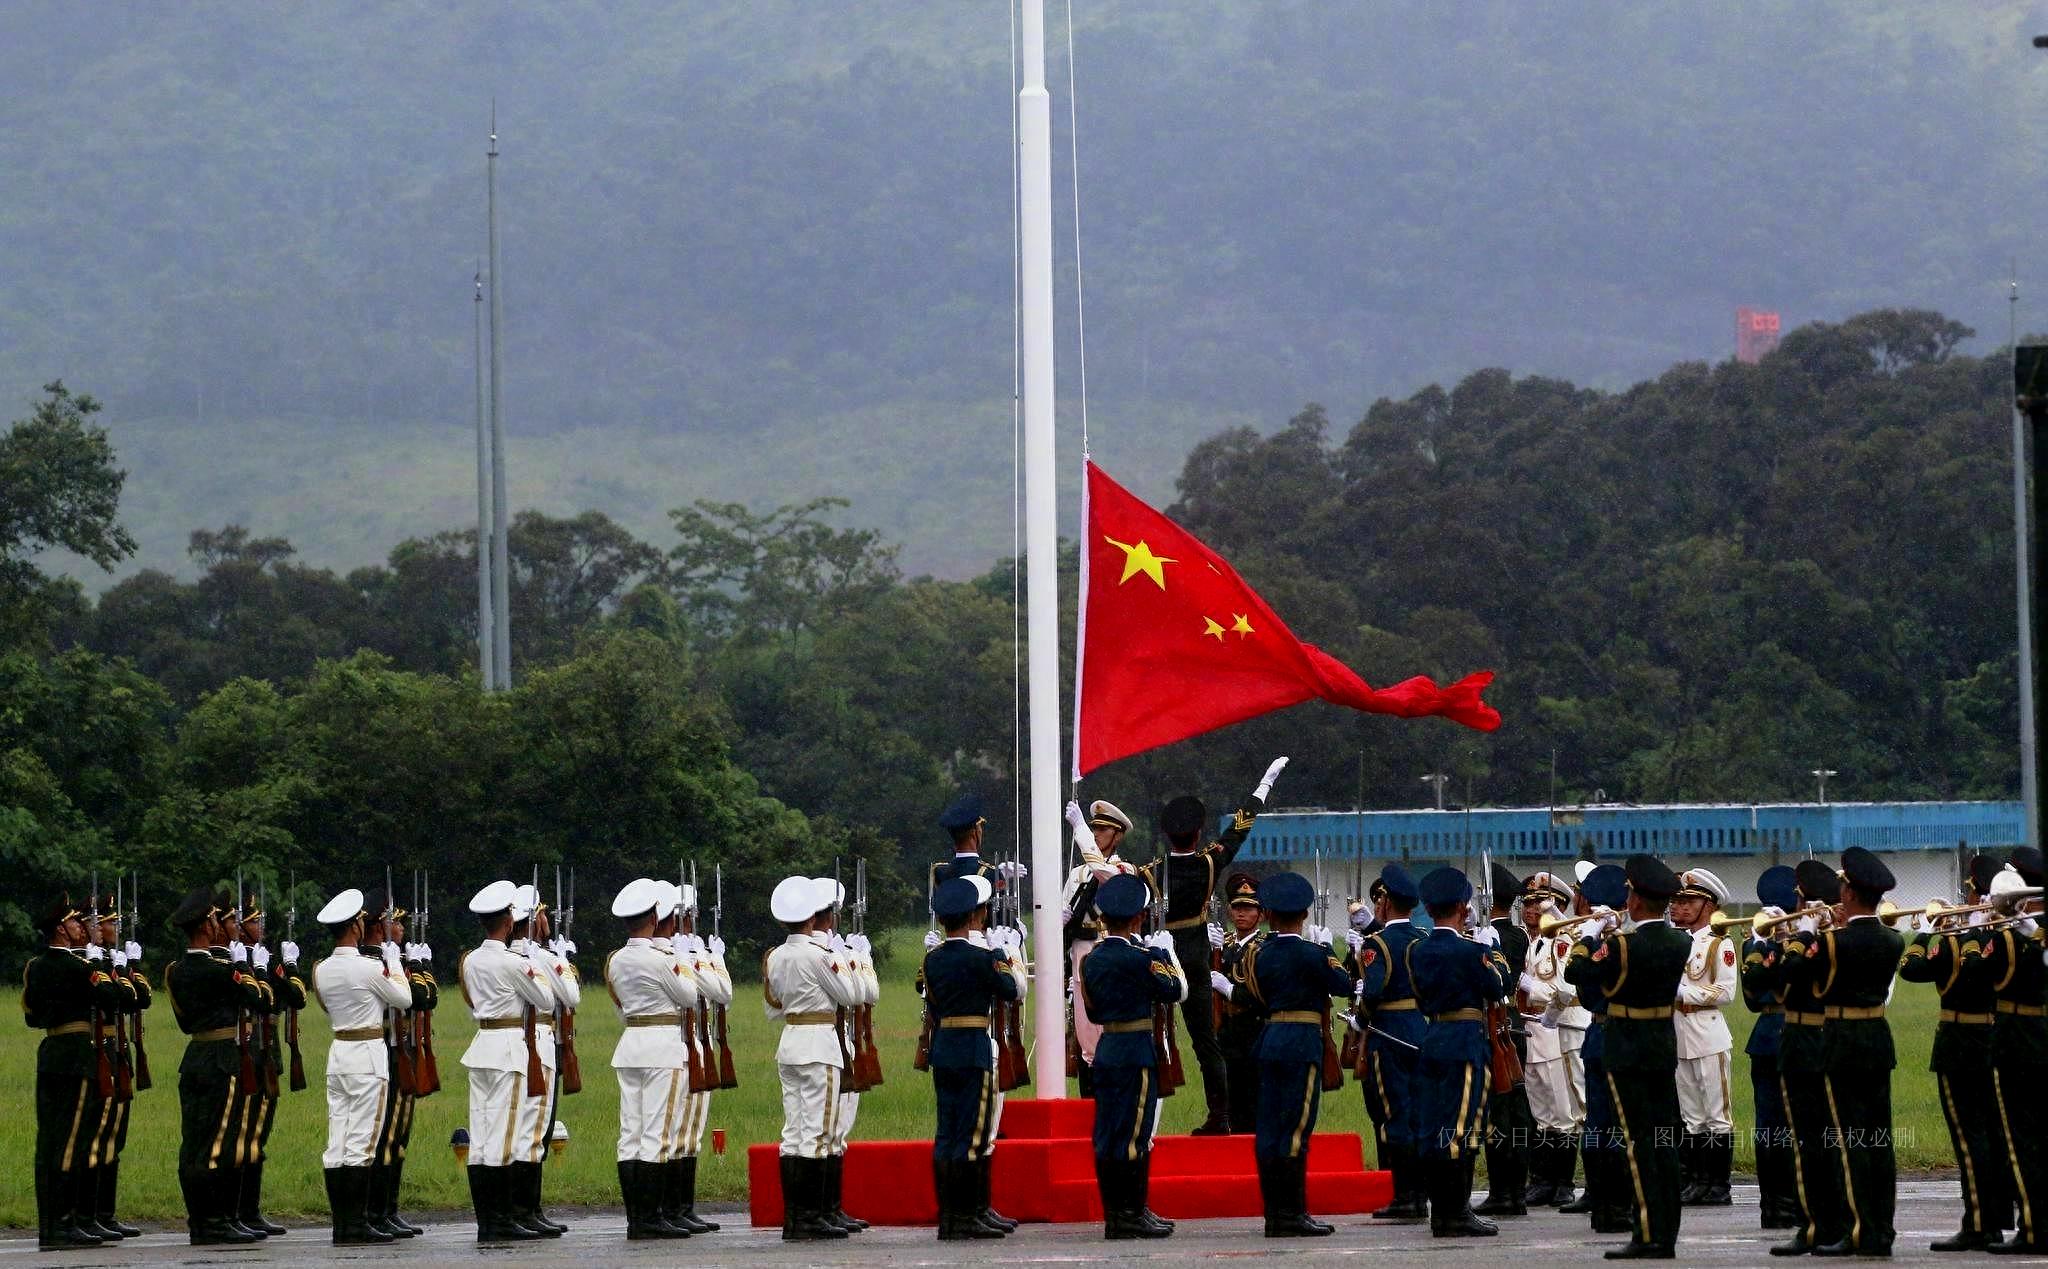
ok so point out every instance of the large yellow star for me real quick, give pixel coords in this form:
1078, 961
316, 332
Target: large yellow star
1243, 625
1139, 559
1210, 627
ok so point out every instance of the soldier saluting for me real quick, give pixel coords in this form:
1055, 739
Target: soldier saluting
208, 994
60, 990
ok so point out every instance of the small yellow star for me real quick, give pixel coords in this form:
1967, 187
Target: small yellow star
1243, 625
1139, 559
1210, 627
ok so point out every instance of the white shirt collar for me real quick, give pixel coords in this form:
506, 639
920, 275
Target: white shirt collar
347, 951
636, 941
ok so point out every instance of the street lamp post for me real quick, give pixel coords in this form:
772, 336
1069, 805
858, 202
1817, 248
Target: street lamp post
1821, 774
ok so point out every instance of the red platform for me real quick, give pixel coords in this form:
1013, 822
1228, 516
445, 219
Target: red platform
1045, 1171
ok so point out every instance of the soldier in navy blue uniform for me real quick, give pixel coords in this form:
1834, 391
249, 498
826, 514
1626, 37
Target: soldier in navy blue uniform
2018, 959
962, 983
1510, 1126
1816, 1174
1777, 890
1122, 979
1638, 971
1293, 980
965, 822
1607, 1199
1393, 1038
1454, 978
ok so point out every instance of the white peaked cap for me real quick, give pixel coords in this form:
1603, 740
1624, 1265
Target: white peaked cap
2006, 880
1100, 810
1582, 868
982, 888
342, 908
671, 899
1699, 879
525, 902
794, 899
637, 899
830, 893
496, 897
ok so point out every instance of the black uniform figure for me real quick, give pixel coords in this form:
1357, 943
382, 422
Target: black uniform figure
208, 995
963, 821
1762, 966
2019, 1058
1637, 972
1455, 979
1608, 1199
961, 984
1953, 960
1509, 1123
1394, 1028
387, 1160
1123, 979
1243, 1018
282, 989
109, 1126
1849, 970
1802, 1073
60, 991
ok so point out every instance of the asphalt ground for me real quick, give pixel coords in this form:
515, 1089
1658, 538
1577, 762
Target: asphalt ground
1710, 1236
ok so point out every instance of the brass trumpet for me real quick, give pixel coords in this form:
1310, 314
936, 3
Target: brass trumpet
1557, 925
2006, 906
1721, 922
1767, 927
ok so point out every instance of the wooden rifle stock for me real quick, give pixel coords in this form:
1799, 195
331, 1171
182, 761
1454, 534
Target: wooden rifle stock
536, 1075
867, 1039
727, 1078
1006, 1062
1073, 1051
245, 1075
291, 1040
1505, 1065
1348, 1056
103, 1066
264, 1034
142, 1080
571, 1068
923, 1060
1333, 1070
692, 1058
846, 1064
403, 1069
1013, 1040
429, 1065
124, 1082
1162, 1047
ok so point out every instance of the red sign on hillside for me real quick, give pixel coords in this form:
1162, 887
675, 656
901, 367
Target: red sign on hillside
1756, 334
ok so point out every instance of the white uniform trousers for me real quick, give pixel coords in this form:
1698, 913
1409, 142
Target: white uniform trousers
1086, 1030
842, 1122
1557, 1100
810, 1108
653, 1101
531, 1136
355, 1117
689, 1136
1703, 1094
495, 1098
995, 1121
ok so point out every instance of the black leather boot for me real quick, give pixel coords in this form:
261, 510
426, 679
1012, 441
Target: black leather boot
251, 1214
835, 1195
989, 1215
958, 1200
1286, 1217
491, 1189
1450, 1203
1410, 1199
1129, 1219
85, 1210
348, 1191
1564, 1164
1141, 1189
682, 1190
227, 1202
803, 1188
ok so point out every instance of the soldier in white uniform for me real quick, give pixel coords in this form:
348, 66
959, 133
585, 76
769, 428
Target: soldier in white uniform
704, 961
537, 1114
869, 990
1711, 983
651, 991
1096, 836
804, 984
1552, 1072
355, 990
501, 987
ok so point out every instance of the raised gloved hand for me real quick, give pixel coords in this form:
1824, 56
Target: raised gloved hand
556, 946
1220, 983
569, 947
1353, 939
134, 951
1266, 781
1486, 936
1604, 921
2025, 926
94, 951
978, 938
1079, 821
259, 955
932, 938
1215, 936
236, 953
1769, 912
689, 944
1809, 924
1319, 934
393, 965
716, 946
1010, 870
120, 959
426, 952
1160, 939
1526, 984
860, 943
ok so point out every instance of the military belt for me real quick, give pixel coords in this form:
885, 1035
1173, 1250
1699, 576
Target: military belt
656, 1020
1395, 1006
1639, 1014
1764, 1010
1126, 1028
68, 1028
360, 1033
499, 1024
1309, 1016
1847, 1013
1696, 1008
817, 1018
1459, 1015
2024, 1011
965, 1021
1967, 1019
1799, 1018
218, 1033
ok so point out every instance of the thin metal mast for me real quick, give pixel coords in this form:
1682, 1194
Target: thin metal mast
501, 575
486, 642
2022, 541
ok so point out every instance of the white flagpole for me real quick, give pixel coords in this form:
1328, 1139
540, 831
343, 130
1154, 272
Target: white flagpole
1041, 546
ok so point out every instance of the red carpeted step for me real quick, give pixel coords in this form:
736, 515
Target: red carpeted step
1061, 1117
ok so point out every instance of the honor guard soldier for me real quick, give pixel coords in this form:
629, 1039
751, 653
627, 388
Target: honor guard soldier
1293, 980
1608, 1199
252, 1091
283, 990
965, 822
1777, 890
387, 1161
1711, 982
1097, 836
1190, 877
703, 960
1816, 1172
1120, 982
825, 926
106, 1124
1555, 1028
652, 992
2019, 1044
1394, 1027
962, 983
60, 990
209, 995
354, 990
537, 1111
504, 989
1454, 979
804, 985
1638, 971
131, 1067
1509, 1124
1953, 960
1238, 1037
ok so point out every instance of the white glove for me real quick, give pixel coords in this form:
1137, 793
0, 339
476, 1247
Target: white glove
690, 943
1550, 1014
426, 952
1526, 984
861, 945
2026, 926
1921, 924
569, 946
1266, 781
1320, 934
979, 938
1079, 821
134, 950
259, 955
1978, 918
1010, 870
94, 951
392, 964
1486, 936
120, 959
236, 953
1220, 983
1215, 936
555, 946
1769, 912
932, 938
1809, 925
1159, 939
1604, 919
1353, 939
716, 947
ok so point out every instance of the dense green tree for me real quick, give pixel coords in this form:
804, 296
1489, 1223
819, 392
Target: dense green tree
59, 488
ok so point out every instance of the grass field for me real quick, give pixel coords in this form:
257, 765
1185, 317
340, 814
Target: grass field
584, 1173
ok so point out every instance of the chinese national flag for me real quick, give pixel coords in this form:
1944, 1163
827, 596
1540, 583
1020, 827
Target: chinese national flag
1173, 643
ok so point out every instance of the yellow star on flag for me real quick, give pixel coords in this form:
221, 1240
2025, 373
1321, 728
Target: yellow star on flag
1243, 625
1210, 627
1139, 559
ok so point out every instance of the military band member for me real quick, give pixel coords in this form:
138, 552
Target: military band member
354, 990
1394, 1028
652, 991
2019, 1049
1120, 981
1555, 1027
283, 989
60, 990
962, 981
1802, 1069
1953, 960
1097, 836
1454, 978
704, 960
126, 960
209, 995
501, 987
804, 985
1608, 1197
1293, 979
537, 1113
1510, 1126
1637, 971
1238, 1037
1190, 877
1711, 982
1777, 890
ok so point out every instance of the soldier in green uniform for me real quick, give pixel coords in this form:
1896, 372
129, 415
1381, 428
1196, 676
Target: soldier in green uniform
126, 959
1242, 1018
1849, 967
208, 995
1777, 1196
2019, 1050
110, 1126
387, 1162
1637, 972
59, 992
283, 989
1802, 1074
1510, 1126
1953, 960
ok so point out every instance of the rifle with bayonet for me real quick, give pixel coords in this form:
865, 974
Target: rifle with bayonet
865, 1053
103, 1065
245, 1074
921, 1060
842, 1015
124, 1085
568, 1066
423, 1019
291, 1017
1164, 1042
1333, 1066
266, 1036
1011, 1037
696, 1022
1504, 1065
536, 1074
398, 1032
727, 1077
142, 1080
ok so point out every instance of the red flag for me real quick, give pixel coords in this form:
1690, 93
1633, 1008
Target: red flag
1173, 643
